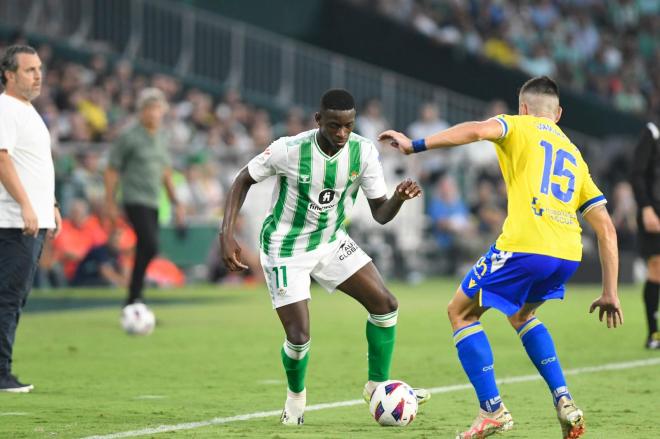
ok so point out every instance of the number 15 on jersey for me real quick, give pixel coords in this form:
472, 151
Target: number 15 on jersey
559, 169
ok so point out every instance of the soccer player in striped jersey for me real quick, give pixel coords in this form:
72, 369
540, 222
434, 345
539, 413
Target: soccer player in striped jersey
539, 249
318, 174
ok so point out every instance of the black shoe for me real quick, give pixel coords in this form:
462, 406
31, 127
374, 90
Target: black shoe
11, 384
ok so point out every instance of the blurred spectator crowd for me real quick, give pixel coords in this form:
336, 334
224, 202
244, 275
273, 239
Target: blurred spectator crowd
607, 48
85, 105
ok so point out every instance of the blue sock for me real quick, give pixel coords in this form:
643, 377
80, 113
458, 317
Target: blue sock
477, 360
541, 350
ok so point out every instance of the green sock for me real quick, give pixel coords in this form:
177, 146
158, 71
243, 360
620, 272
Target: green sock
381, 333
294, 359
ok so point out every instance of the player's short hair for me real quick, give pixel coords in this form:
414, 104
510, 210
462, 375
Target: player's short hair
543, 85
9, 63
337, 99
150, 95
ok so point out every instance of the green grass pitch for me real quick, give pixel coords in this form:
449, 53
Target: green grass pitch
215, 354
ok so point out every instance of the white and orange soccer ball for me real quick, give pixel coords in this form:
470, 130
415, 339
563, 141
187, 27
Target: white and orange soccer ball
137, 319
393, 404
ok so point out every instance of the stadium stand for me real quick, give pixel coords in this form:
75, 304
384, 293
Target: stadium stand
607, 49
214, 128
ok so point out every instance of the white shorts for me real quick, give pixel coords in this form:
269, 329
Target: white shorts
288, 279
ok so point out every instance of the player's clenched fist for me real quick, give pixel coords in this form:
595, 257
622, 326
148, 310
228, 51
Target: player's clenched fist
408, 189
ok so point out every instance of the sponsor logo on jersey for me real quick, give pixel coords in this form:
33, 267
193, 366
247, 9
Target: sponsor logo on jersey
326, 196
536, 207
561, 216
304, 178
346, 249
316, 208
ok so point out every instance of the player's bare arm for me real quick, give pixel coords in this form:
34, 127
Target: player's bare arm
229, 248
179, 211
650, 220
384, 209
58, 223
9, 179
608, 303
460, 134
111, 179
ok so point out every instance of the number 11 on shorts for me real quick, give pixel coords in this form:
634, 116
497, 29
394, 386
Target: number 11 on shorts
280, 271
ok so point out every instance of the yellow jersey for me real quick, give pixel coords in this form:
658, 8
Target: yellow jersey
547, 183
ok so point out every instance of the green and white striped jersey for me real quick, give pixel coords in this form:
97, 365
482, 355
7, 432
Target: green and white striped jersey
314, 193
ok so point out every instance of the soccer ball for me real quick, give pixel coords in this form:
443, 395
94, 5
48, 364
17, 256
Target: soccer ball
137, 319
393, 403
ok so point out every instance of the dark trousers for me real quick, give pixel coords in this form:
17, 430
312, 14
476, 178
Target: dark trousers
19, 256
144, 220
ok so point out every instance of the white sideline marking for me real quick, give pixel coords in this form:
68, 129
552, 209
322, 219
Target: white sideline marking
315, 407
150, 397
14, 414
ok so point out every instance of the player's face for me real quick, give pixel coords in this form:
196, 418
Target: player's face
26, 80
336, 125
152, 115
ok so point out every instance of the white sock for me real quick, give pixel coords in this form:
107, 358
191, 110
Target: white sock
371, 386
295, 403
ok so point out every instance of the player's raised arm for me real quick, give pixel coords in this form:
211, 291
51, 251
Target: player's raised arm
230, 250
608, 302
384, 209
460, 134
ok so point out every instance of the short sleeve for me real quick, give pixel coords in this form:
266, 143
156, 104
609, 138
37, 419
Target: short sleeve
117, 152
372, 181
7, 133
269, 162
508, 125
590, 195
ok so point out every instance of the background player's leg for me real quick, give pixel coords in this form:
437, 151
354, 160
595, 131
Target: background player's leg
651, 299
367, 287
295, 356
145, 224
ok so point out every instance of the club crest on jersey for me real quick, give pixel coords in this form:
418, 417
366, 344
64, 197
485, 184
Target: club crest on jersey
304, 178
326, 196
353, 176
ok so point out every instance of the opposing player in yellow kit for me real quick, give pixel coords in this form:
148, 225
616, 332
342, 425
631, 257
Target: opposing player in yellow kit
539, 249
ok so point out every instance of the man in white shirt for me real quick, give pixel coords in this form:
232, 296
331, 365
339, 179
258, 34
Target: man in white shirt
27, 195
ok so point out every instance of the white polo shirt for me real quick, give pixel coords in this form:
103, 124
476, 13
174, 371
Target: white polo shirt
25, 136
